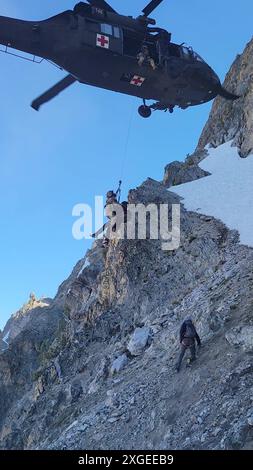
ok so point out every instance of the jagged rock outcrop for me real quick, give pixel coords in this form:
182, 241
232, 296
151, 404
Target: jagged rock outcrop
176, 173
233, 120
21, 318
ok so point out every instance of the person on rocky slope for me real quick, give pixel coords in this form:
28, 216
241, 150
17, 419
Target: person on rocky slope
188, 337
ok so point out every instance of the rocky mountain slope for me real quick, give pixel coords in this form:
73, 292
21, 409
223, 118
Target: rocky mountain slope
95, 367
233, 120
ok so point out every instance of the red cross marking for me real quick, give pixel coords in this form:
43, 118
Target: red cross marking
137, 81
102, 41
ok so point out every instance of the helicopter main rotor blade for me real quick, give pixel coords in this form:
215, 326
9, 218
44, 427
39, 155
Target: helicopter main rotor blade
53, 92
151, 7
101, 4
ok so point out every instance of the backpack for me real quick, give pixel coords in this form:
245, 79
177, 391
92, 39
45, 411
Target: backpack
189, 331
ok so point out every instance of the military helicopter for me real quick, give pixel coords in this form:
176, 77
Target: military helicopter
99, 47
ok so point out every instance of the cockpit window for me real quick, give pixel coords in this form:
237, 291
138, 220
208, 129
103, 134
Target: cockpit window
186, 52
116, 31
111, 30
106, 28
198, 57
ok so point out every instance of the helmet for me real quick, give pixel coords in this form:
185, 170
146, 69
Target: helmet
110, 194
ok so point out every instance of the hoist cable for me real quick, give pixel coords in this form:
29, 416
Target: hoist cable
125, 153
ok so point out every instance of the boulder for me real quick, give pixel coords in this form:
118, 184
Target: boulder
119, 364
139, 341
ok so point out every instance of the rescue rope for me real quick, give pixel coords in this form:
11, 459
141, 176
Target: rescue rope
125, 153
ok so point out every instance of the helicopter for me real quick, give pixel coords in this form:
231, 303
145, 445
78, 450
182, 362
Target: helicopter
99, 47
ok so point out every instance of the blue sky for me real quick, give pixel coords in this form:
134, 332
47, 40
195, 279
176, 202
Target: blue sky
73, 148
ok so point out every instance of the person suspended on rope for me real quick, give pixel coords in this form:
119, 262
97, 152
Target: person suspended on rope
111, 199
188, 337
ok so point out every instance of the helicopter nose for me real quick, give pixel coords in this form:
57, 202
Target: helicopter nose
217, 88
211, 77
210, 81
215, 78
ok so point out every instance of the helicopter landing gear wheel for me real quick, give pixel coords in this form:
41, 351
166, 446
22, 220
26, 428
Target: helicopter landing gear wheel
144, 111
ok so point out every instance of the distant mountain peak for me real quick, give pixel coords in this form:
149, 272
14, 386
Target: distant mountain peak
31, 304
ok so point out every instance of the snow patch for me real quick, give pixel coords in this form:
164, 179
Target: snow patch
6, 337
86, 265
227, 194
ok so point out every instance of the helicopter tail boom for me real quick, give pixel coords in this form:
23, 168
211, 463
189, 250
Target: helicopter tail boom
20, 35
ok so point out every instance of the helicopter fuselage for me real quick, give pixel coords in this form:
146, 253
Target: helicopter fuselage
100, 49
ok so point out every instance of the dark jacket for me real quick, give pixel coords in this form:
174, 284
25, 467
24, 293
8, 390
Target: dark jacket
183, 332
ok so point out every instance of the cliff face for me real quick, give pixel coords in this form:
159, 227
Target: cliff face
234, 120
95, 367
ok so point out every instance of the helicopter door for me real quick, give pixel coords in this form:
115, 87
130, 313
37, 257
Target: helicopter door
90, 30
